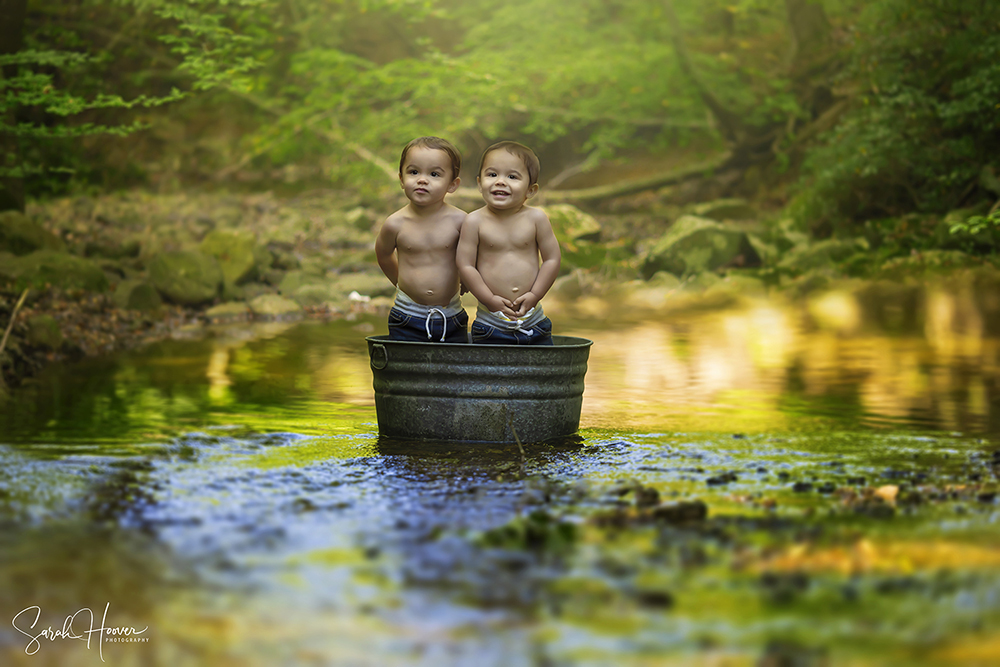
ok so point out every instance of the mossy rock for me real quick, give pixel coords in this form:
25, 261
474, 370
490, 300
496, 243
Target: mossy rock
235, 252
694, 245
274, 307
822, 254
367, 284
187, 278
571, 224
20, 235
312, 295
59, 269
137, 295
228, 312
112, 249
43, 331
293, 280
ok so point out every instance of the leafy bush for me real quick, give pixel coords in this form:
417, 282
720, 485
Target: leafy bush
925, 119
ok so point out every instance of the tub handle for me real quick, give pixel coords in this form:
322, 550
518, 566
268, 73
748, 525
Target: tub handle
380, 356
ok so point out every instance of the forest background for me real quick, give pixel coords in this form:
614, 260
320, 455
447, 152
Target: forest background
872, 124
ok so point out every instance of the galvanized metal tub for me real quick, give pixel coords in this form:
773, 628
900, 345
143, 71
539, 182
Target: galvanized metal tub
474, 393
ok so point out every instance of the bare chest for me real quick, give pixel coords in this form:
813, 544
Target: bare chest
424, 238
511, 235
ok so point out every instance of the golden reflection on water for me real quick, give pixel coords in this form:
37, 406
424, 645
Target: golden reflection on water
742, 369
750, 368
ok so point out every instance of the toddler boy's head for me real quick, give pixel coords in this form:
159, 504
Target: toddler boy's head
436, 143
526, 155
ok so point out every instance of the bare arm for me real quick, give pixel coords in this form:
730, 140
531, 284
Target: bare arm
468, 251
548, 271
385, 250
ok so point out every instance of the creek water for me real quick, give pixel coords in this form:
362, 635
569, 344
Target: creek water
226, 500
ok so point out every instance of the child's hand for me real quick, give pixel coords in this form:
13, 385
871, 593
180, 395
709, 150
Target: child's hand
498, 303
524, 303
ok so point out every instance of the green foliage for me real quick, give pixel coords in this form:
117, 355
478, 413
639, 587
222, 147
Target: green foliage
925, 119
976, 224
56, 91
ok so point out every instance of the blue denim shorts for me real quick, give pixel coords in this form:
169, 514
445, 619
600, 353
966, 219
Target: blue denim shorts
414, 327
485, 333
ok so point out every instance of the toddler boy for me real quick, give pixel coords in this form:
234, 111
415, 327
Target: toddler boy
416, 246
499, 250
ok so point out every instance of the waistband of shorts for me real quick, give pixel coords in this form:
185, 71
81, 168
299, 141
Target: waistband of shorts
501, 321
410, 307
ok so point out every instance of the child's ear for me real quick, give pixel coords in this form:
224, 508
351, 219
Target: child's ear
401, 186
454, 185
532, 190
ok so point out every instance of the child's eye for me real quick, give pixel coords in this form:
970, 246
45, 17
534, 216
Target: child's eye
412, 172
435, 174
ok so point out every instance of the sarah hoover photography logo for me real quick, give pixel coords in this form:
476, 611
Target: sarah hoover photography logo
79, 626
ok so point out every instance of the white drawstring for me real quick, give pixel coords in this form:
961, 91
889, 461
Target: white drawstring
516, 323
444, 323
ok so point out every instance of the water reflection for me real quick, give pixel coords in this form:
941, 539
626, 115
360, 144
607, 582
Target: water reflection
233, 494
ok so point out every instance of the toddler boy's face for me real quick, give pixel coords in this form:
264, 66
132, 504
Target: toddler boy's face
426, 176
504, 182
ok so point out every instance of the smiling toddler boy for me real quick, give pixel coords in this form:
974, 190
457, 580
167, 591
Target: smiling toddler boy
500, 247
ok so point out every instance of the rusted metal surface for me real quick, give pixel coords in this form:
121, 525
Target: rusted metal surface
473, 393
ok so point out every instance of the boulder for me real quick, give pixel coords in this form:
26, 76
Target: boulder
137, 295
694, 245
571, 224
235, 252
59, 269
274, 307
228, 312
187, 278
21, 235
312, 295
368, 284
293, 280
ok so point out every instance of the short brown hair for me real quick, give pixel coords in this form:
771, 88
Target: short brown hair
527, 156
438, 143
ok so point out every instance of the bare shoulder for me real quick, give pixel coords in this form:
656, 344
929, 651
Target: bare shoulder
395, 220
537, 216
477, 217
453, 215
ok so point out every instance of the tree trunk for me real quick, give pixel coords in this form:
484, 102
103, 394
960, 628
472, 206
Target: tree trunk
11, 38
810, 32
